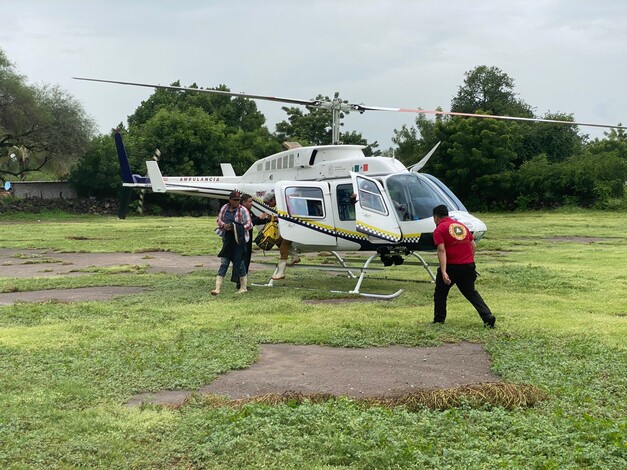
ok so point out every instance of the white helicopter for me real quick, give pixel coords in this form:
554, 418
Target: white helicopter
391, 214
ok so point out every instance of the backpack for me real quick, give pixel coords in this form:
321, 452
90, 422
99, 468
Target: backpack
268, 236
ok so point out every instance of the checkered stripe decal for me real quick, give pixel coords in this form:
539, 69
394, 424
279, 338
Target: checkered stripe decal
352, 236
377, 233
413, 238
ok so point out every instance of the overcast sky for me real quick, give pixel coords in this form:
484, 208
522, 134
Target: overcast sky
564, 55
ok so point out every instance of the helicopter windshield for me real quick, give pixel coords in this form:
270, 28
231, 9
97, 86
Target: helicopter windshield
415, 195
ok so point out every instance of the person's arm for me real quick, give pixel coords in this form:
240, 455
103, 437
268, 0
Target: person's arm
246, 219
261, 219
473, 244
442, 260
221, 225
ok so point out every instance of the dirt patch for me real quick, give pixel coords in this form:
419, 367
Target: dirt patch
45, 263
83, 294
582, 239
357, 373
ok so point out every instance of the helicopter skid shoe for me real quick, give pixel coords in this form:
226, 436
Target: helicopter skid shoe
371, 295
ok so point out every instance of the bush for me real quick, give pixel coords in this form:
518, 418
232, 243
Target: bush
583, 180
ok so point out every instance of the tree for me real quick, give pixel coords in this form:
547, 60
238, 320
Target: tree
476, 160
614, 142
97, 174
557, 142
415, 142
41, 128
490, 90
236, 112
190, 141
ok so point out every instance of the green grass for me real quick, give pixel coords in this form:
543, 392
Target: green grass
66, 370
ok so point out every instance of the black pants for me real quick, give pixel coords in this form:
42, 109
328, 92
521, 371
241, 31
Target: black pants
464, 275
247, 257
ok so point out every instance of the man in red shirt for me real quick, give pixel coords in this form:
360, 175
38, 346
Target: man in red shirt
456, 254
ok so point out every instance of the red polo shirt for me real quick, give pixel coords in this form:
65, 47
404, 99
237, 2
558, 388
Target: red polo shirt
456, 238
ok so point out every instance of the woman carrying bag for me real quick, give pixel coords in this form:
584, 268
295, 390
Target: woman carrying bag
234, 224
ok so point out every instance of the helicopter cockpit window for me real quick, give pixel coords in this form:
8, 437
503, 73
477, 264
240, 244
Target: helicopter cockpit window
305, 202
418, 194
458, 205
370, 197
346, 208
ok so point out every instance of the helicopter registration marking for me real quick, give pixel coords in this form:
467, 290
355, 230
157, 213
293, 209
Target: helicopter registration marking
197, 179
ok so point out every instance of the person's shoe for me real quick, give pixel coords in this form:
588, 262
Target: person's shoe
244, 284
489, 322
280, 270
294, 255
219, 281
438, 322
295, 259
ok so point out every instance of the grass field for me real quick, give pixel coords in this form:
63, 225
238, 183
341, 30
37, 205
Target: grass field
557, 282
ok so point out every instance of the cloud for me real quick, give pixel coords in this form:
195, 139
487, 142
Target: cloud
565, 56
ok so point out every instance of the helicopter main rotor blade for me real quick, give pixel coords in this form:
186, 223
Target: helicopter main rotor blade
204, 90
362, 108
339, 105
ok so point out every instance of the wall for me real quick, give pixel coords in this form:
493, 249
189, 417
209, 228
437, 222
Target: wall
43, 189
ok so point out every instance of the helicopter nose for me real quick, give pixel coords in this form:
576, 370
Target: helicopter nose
474, 224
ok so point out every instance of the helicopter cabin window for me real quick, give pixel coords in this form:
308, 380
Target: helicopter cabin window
274, 164
267, 166
260, 167
346, 208
285, 161
279, 163
399, 199
370, 197
291, 164
304, 202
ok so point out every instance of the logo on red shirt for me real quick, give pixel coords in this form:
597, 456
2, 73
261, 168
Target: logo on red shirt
457, 231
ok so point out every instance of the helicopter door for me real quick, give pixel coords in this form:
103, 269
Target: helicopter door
305, 212
374, 215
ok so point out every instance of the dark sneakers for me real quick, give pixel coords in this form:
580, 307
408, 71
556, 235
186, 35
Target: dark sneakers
489, 321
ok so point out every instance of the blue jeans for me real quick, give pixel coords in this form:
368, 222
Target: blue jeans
238, 262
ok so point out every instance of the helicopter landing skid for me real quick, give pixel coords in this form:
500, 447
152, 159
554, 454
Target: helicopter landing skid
341, 260
349, 270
